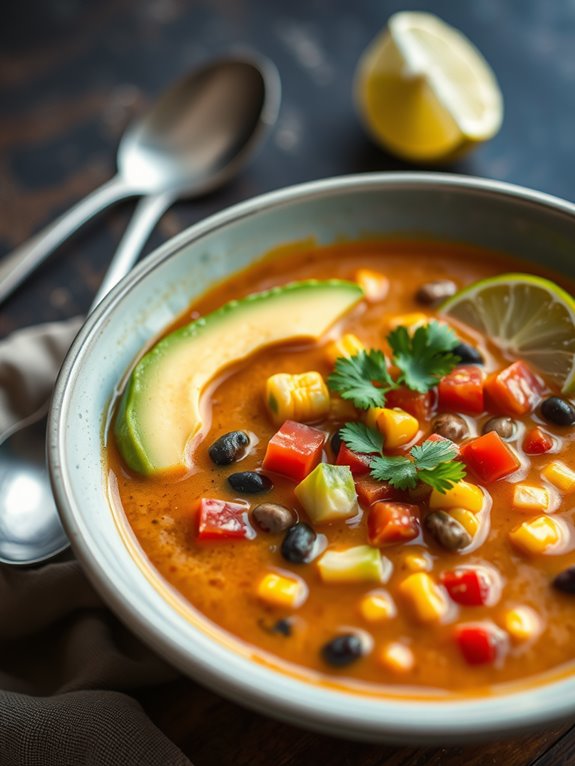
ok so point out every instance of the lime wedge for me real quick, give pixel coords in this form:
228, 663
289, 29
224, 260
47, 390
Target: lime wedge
526, 317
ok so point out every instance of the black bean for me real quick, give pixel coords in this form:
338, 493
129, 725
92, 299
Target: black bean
250, 482
229, 448
335, 442
505, 427
468, 354
447, 531
272, 517
434, 292
565, 581
283, 627
298, 544
342, 650
451, 426
558, 411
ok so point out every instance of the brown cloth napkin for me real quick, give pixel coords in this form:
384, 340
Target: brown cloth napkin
66, 662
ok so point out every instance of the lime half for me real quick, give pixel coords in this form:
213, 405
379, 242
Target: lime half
527, 317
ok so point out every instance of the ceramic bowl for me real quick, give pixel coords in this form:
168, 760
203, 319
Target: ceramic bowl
525, 223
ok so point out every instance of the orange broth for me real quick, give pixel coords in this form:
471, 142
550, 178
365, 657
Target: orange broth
219, 578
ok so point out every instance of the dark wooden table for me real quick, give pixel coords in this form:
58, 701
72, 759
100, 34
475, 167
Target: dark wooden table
73, 73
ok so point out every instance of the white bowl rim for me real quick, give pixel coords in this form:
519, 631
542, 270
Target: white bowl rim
227, 671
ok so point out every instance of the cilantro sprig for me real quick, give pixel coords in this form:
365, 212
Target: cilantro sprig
432, 462
422, 359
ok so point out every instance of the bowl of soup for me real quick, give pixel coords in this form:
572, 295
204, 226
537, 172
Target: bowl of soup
318, 451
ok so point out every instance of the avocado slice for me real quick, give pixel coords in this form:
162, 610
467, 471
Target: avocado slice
160, 409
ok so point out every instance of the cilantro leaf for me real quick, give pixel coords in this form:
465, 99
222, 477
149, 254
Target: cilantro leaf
443, 476
430, 454
400, 472
360, 438
354, 378
424, 357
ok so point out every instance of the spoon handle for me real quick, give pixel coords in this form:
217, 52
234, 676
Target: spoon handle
16, 266
146, 215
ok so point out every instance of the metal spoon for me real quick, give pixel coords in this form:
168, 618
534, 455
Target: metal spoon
224, 124
193, 139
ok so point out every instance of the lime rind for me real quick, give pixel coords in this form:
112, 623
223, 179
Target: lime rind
528, 317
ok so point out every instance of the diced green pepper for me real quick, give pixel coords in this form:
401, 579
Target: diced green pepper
359, 564
328, 493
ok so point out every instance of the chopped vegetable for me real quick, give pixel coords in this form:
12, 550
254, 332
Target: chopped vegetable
424, 357
294, 450
522, 623
281, 590
538, 536
418, 405
489, 457
397, 427
462, 390
515, 390
361, 563
328, 493
358, 464
537, 441
222, 520
369, 491
397, 657
389, 523
418, 562
377, 606
427, 599
529, 498
302, 397
461, 495
346, 346
560, 476
468, 587
466, 518
479, 643
375, 285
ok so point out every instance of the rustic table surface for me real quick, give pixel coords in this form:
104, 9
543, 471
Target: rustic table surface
72, 75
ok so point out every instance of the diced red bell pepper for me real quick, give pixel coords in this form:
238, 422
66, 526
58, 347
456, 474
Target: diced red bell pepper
294, 450
537, 442
359, 464
370, 490
515, 390
468, 587
489, 457
421, 406
479, 644
222, 520
462, 390
389, 522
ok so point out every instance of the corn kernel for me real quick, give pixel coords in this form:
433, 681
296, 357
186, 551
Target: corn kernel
427, 599
374, 284
411, 321
341, 409
461, 495
346, 346
397, 657
529, 498
371, 416
301, 397
522, 623
467, 519
537, 536
397, 427
279, 590
377, 606
418, 562
560, 476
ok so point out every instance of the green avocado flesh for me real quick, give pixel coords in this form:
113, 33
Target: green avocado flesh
160, 410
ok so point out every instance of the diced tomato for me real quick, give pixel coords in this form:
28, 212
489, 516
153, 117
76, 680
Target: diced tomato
479, 644
462, 390
369, 491
537, 442
438, 438
359, 464
489, 457
515, 390
419, 405
392, 523
222, 520
294, 450
468, 587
